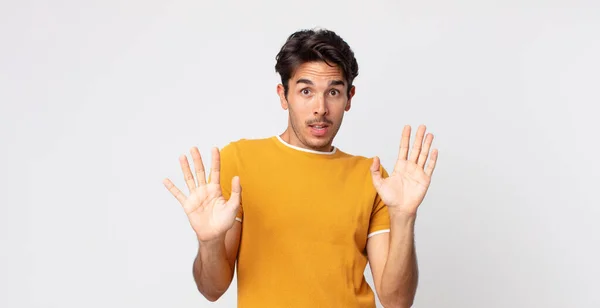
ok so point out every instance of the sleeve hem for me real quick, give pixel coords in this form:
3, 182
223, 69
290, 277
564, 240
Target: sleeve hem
378, 232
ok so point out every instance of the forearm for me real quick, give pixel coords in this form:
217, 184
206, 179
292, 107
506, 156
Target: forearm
400, 274
212, 271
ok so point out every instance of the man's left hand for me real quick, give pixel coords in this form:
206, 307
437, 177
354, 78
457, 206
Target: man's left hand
405, 188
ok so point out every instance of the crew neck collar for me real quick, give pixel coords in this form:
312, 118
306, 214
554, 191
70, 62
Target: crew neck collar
305, 150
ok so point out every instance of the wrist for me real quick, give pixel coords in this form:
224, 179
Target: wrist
400, 213
212, 243
402, 218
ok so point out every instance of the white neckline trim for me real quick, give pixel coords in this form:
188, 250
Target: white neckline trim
306, 150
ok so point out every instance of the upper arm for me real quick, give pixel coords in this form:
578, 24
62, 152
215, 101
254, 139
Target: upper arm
378, 240
378, 247
228, 169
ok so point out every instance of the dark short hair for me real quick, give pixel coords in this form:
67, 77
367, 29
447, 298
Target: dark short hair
315, 45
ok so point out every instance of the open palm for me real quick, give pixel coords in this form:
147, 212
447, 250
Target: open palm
207, 210
405, 188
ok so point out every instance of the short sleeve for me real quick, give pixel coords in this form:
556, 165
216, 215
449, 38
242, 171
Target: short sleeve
380, 218
229, 169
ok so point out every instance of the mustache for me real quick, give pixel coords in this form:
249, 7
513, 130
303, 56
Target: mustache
319, 120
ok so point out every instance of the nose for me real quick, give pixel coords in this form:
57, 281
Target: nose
320, 106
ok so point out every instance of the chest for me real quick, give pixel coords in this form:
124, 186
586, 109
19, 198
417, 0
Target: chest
308, 205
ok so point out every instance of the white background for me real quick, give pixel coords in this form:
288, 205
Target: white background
99, 98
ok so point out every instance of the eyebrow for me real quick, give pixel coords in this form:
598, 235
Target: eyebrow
331, 83
337, 83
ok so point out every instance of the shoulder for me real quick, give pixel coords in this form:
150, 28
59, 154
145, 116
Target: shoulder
361, 162
247, 144
355, 159
245, 147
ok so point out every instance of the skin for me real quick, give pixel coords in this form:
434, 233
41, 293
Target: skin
213, 220
317, 93
392, 256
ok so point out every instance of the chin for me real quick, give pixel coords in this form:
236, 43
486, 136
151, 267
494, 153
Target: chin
319, 143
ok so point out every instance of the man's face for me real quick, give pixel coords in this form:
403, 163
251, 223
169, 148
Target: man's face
317, 99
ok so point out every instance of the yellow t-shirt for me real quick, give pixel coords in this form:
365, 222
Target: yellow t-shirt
306, 217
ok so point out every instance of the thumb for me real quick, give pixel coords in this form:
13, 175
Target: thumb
376, 173
236, 192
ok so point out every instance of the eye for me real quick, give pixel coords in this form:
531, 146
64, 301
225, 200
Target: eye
334, 92
305, 91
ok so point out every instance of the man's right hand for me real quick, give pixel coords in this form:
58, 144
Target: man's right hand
207, 210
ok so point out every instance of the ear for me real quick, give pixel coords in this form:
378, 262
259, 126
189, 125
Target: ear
282, 99
350, 96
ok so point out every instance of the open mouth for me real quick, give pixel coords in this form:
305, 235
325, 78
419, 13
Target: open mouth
319, 130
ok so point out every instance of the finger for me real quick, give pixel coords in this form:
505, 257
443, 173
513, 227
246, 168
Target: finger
174, 191
404, 143
376, 173
199, 166
425, 151
432, 162
187, 173
236, 192
416, 150
215, 168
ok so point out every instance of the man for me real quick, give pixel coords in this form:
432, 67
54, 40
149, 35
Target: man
310, 216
